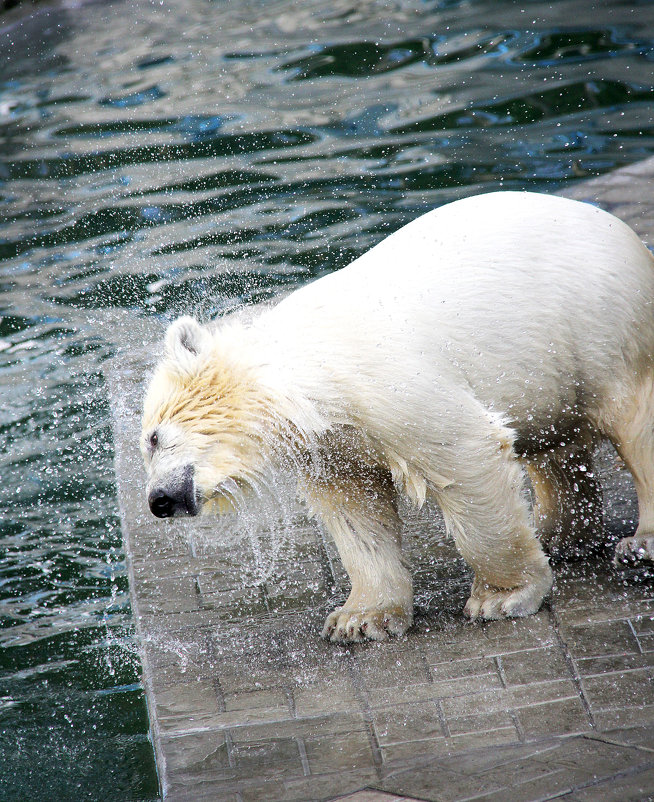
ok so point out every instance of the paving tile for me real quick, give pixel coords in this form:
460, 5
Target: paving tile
479, 723
547, 785
518, 772
256, 707
591, 594
257, 700
334, 725
633, 607
174, 624
222, 574
394, 754
540, 692
468, 686
191, 788
342, 752
148, 566
637, 735
643, 625
486, 702
587, 756
545, 769
561, 764
407, 723
258, 790
560, 717
463, 669
499, 699
167, 654
612, 663
334, 785
157, 543
609, 637
433, 691
324, 697
235, 678
437, 779
266, 757
486, 640
471, 646
622, 689
300, 586
261, 653
167, 595
374, 796
383, 697
232, 719
635, 786
173, 676
199, 704
197, 755
380, 667
478, 683
537, 632
627, 717
479, 740
533, 665
495, 638
234, 605
192, 706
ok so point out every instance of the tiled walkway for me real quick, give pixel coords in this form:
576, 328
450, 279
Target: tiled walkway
248, 703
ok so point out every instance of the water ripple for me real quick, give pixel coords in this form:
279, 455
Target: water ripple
193, 157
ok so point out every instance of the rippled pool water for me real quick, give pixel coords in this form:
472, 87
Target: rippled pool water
166, 157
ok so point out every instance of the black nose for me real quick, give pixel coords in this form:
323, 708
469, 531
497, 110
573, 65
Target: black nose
176, 496
161, 504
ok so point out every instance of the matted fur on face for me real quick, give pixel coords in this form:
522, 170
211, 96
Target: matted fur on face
202, 439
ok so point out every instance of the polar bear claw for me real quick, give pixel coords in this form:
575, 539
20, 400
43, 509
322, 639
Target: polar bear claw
351, 626
635, 549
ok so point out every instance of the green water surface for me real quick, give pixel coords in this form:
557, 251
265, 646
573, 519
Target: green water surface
159, 158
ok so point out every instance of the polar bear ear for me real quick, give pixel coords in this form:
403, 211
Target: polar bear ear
185, 341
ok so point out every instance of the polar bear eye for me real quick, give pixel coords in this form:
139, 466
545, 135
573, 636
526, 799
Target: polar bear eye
154, 440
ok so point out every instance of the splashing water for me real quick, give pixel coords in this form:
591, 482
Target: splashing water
194, 157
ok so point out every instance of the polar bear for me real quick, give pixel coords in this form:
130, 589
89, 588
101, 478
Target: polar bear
504, 331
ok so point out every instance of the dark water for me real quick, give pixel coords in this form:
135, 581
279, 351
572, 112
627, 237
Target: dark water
166, 157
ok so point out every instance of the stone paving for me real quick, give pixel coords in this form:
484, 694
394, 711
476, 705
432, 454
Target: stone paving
248, 703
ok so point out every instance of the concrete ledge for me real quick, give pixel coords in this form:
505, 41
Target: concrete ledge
247, 703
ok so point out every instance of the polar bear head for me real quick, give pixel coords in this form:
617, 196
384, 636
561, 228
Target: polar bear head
203, 435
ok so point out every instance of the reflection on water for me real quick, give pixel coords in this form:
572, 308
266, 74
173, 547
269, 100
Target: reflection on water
158, 158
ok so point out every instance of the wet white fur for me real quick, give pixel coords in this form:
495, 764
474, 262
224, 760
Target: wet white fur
501, 326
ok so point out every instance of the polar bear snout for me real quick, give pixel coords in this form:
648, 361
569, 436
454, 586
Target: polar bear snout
176, 497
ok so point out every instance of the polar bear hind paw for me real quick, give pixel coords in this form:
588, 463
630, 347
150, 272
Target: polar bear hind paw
494, 603
346, 625
634, 550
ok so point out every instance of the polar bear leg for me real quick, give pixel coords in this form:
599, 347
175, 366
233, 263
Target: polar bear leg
631, 431
568, 499
487, 513
357, 506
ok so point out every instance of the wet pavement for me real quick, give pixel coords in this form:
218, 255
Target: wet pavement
248, 703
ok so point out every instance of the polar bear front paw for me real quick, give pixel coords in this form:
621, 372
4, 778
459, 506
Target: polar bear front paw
636, 549
347, 625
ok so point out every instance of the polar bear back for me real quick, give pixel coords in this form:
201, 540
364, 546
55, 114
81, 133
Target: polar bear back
529, 299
